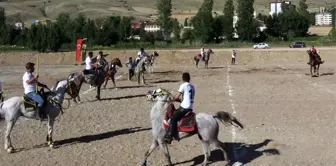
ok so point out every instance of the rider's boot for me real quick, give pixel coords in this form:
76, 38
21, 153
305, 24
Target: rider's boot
168, 138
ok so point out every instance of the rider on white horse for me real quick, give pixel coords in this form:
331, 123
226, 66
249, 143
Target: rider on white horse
29, 84
187, 90
141, 54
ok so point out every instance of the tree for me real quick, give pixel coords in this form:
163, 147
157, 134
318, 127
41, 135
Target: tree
303, 10
55, 37
246, 27
219, 27
203, 22
164, 16
176, 30
2, 17
228, 29
293, 24
125, 28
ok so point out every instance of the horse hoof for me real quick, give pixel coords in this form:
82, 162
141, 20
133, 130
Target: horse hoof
10, 150
51, 145
143, 163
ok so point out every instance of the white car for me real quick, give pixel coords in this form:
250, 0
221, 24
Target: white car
260, 45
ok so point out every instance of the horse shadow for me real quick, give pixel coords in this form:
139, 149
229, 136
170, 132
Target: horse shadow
218, 67
131, 87
164, 81
97, 137
323, 74
87, 138
243, 153
120, 98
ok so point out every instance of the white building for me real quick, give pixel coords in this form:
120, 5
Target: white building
323, 19
275, 6
152, 27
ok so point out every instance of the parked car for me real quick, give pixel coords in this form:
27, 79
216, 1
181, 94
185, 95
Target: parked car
297, 45
261, 45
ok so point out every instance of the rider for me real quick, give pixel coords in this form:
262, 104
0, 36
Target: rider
142, 53
89, 66
101, 60
314, 51
187, 91
29, 83
202, 52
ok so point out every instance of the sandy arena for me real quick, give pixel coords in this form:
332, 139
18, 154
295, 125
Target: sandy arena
289, 117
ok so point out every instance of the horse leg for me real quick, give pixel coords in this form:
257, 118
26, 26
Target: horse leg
143, 78
8, 142
113, 80
311, 72
206, 151
220, 145
138, 77
50, 132
149, 151
106, 80
98, 92
164, 148
318, 70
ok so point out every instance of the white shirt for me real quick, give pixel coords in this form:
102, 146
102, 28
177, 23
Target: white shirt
188, 91
202, 50
233, 54
88, 63
28, 87
141, 54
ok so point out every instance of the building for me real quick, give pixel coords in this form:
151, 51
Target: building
275, 6
149, 26
324, 18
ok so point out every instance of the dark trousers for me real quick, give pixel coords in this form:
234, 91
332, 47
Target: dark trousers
233, 61
130, 73
175, 118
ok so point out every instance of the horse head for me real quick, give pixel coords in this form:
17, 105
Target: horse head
116, 61
75, 81
155, 54
160, 94
210, 51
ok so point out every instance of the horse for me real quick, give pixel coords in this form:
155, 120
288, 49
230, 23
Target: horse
204, 125
140, 69
205, 58
17, 106
111, 70
151, 60
314, 62
95, 80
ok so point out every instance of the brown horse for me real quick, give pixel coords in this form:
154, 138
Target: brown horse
205, 58
314, 62
111, 70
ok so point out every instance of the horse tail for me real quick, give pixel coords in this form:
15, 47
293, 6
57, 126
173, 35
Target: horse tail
225, 117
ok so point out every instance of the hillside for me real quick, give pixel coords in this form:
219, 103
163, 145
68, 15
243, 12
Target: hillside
27, 10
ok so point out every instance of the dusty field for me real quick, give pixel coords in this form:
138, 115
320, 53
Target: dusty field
320, 30
269, 91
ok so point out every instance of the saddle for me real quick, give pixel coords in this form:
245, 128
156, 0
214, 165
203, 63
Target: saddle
186, 124
90, 76
29, 104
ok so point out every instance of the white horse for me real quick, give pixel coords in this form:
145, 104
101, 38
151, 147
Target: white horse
206, 126
14, 107
150, 63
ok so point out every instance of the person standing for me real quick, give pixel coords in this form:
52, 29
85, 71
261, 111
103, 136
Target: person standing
233, 60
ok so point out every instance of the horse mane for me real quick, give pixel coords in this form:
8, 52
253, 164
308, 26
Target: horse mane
53, 88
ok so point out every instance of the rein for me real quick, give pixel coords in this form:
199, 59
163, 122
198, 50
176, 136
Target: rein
57, 103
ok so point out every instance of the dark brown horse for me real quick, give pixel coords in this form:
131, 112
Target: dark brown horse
111, 70
314, 62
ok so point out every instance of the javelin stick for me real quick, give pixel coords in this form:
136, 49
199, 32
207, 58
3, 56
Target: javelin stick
37, 68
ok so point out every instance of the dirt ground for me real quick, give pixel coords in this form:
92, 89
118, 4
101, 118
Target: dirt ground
288, 115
